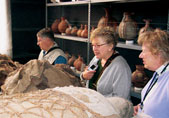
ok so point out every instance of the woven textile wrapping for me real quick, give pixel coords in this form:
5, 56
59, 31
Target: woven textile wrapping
7, 66
59, 102
38, 75
123, 107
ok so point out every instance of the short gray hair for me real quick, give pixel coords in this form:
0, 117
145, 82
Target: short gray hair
46, 32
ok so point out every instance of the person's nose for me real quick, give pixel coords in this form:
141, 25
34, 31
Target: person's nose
37, 43
141, 55
94, 48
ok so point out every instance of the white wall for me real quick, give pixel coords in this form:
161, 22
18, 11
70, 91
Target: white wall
5, 28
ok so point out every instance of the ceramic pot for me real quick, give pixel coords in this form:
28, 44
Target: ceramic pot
107, 20
74, 31
84, 32
127, 28
78, 63
71, 60
146, 27
80, 30
63, 25
139, 77
54, 26
68, 30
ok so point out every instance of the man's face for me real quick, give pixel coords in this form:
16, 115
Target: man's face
42, 43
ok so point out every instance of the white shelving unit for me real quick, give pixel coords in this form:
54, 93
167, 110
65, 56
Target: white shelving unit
120, 44
89, 3
74, 38
69, 3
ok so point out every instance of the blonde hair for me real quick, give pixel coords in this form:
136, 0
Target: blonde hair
158, 41
106, 33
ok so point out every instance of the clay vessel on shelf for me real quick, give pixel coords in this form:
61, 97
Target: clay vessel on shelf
63, 25
68, 30
74, 31
54, 26
84, 33
80, 30
127, 28
71, 60
78, 63
108, 20
139, 77
146, 27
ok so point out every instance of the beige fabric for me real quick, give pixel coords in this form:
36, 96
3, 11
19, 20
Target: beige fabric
123, 107
7, 66
69, 72
60, 102
35, 75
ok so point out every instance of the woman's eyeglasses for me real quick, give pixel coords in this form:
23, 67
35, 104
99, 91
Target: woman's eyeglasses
98, 45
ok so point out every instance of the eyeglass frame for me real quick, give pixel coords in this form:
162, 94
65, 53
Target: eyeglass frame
98, 45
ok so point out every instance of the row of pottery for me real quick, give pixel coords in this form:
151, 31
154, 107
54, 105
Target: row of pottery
127, 28
76, 62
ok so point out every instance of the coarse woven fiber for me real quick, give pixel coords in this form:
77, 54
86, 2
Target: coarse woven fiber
60, 102
37, 75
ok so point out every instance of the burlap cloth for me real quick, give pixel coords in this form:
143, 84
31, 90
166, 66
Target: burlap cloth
7, 65
36, 75
60, 102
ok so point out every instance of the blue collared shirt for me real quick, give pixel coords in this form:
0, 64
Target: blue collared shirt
60, 60
156, 103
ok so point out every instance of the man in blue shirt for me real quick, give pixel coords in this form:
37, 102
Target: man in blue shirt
50, 50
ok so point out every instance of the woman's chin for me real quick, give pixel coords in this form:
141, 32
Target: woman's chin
146, 67
97, 56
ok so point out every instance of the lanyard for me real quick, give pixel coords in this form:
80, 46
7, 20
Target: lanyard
155, 78
104, 67
44, 53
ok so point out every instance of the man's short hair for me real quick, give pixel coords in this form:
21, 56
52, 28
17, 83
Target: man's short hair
46, 33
